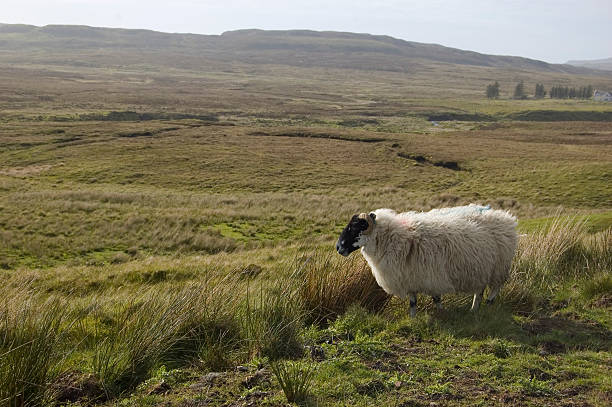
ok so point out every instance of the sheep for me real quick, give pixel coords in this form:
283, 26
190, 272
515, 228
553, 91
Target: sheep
462, 249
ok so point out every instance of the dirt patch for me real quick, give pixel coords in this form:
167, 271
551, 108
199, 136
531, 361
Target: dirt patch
551, 348
260, 377
548, 324
603, 302
75, 387
27, 171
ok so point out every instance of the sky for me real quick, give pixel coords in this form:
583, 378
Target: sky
550, 30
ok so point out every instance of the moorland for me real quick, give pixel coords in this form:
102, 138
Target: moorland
169, 206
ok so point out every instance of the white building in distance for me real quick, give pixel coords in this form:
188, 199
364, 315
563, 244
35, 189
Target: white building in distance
602, 96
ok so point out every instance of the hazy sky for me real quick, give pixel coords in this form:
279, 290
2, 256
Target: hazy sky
551, 30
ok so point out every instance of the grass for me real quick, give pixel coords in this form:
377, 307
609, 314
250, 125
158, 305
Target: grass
126, 340
295, 379
32, 332
162, 244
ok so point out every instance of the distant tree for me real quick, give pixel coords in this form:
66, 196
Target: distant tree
519, 91
565, 92
559, 92
493, 90
539, 91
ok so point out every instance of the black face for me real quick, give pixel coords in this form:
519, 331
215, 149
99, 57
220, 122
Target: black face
350, 235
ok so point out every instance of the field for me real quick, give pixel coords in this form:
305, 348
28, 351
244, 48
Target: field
167, 233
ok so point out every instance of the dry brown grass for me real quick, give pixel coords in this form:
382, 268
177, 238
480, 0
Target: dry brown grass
329, 286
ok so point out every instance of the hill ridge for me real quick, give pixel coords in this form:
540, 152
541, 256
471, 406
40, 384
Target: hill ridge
318, 48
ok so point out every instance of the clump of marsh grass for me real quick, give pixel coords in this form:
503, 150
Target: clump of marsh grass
546, 258
330, 286
271, 322
295, 379
31, 346
216, 349
158, 327
555, 245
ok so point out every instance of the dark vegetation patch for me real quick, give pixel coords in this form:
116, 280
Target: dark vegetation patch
421, 159
464, 117
147, 133
68, 139
137, 134
131, 116
451, 165
561, 116
357, 122
528, 115
304, 134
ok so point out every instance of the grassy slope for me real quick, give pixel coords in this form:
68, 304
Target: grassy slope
95, 213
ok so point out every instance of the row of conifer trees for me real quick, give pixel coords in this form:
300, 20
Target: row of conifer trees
556, 92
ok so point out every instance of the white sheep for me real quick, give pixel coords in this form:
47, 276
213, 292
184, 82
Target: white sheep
462, 249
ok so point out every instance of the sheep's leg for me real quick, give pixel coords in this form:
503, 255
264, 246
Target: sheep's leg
437, 299
413, 304
477, 300
492, 295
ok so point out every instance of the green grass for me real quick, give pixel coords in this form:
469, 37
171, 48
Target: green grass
548, 335
167, 235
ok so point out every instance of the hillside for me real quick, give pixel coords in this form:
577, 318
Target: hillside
605, 63
60, 71
293, 47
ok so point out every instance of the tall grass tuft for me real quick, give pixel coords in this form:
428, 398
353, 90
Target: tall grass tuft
294, 378
158, 328
549, 256
31, 346
330, 286
271, 322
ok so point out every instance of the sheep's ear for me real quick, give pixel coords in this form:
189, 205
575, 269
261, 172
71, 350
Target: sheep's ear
373, 216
